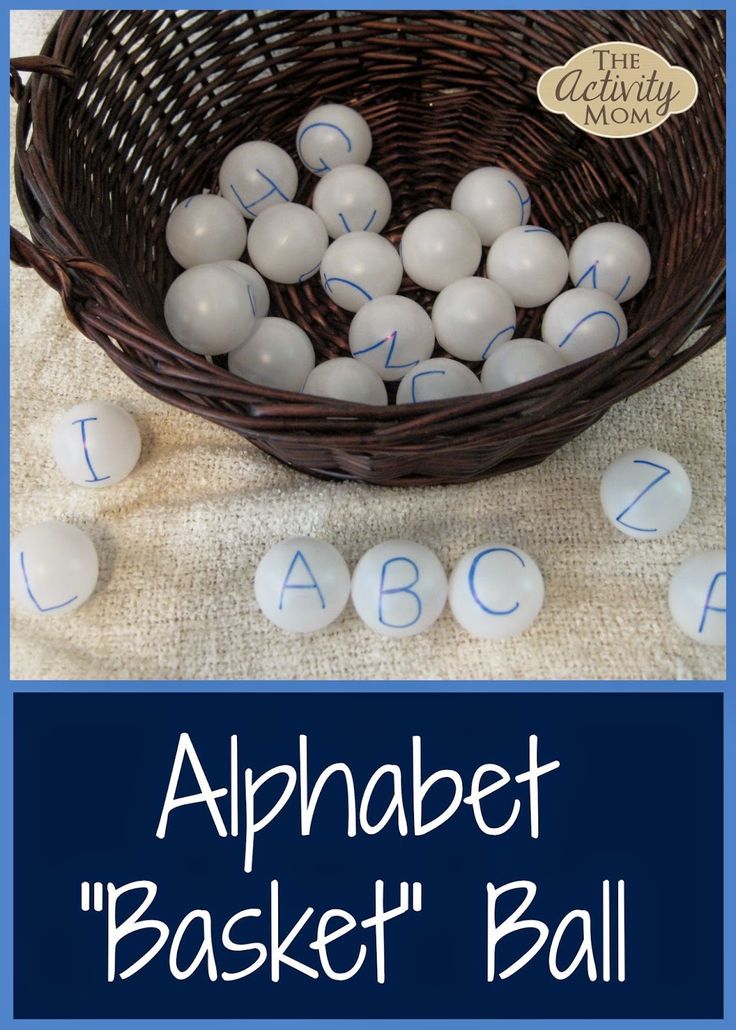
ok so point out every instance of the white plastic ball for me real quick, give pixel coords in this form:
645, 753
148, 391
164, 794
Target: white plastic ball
391, 334
519, 361
96, 444
256, 176
437, 379
278, 353
399, 588
352, 198
471, 316
358, 267
530, 263
302, 584
438, 247
346, 379
611, 257
697, 597
203, 229
496, 591
494, 199
53, 568
208, 309
258, 296
287, 243
646, 493
581, 323
332, 135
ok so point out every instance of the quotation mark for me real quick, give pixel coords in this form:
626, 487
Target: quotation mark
416, 897
98, 895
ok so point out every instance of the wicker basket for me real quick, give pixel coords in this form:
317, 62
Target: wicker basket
126, 112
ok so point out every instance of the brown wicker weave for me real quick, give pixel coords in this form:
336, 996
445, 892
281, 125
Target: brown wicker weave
126, 112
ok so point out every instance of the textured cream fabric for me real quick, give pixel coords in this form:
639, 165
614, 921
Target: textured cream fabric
180, 539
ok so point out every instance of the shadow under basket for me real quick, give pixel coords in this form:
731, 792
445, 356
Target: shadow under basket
127, 112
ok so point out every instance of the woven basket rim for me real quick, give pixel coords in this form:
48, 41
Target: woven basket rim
98, 302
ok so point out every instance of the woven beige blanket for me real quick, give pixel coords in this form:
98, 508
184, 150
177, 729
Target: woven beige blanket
179, 540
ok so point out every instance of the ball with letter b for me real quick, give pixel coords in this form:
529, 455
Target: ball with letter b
399, 588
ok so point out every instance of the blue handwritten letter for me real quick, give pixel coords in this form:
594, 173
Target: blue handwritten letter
471, 579
385, 591
658, 479
311, 585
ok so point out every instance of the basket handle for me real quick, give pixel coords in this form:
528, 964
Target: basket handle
58, 272
22, 250
27, 254
51, 269
42, 65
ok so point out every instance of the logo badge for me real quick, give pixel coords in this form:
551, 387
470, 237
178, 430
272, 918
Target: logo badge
617, 89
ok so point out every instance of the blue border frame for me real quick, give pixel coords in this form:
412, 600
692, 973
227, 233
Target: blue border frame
6, 757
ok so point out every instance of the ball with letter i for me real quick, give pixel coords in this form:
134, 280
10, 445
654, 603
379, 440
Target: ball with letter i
438, 247
496, 591
302, 584
697, 597
287, 243
581, 323
53, 568
203, 229
399, 588
646, 493
256, 176
530, 263
391, 334
332, 135
352, 198
494, 199
611, 257
96, 444
358, 267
